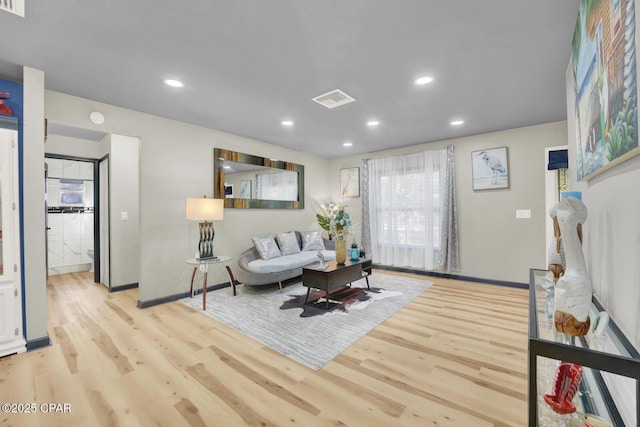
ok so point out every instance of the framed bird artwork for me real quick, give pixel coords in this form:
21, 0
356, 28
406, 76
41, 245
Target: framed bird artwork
490, 168
350, 182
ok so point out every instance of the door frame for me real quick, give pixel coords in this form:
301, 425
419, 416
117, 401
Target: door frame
96, 207
551, 197
103, 209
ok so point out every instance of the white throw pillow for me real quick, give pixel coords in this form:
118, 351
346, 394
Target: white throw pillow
288, 243
312, 240
266, 246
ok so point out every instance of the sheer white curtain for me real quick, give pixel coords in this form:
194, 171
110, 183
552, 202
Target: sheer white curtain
277, 186
404, 200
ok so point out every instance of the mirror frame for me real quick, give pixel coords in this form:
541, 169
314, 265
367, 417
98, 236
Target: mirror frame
221, 155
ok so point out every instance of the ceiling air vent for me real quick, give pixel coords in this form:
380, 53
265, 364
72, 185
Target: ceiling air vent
13, 6
333, 99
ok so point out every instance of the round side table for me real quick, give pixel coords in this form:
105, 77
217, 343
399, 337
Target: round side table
203, 265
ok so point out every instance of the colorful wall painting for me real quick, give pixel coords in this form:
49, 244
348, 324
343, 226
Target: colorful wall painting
604, 71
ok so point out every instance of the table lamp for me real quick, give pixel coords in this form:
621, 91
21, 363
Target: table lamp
205, 210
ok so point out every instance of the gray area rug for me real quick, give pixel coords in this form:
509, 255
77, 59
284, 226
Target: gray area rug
312, 335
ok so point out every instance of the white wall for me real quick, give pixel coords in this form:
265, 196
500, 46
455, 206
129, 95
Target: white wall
124, 199
33, 209
68, 146
493, 243
612, 244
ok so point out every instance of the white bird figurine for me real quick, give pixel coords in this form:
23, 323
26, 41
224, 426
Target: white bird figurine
494, 164
573, 290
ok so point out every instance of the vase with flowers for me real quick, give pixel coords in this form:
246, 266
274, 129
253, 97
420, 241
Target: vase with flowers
334, 219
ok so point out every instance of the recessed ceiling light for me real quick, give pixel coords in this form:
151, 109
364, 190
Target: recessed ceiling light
173, 83
347, 144
373, 123
424, 80
457, 122
286, 123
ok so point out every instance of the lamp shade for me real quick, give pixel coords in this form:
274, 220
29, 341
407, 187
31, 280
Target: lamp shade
205, 209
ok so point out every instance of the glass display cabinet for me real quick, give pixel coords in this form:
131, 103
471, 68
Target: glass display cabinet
609, 390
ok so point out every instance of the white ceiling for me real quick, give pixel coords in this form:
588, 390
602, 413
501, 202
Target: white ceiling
249, 64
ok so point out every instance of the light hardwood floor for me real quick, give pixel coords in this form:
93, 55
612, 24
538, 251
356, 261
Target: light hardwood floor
455, 356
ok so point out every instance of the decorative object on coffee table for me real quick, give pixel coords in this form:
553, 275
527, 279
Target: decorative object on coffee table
354, 252
341, 250
334, 218
320, 256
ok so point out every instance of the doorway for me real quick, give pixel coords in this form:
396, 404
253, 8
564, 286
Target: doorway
115, 242
102, 269
72, 184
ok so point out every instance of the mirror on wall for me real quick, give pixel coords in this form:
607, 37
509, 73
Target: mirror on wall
246, 181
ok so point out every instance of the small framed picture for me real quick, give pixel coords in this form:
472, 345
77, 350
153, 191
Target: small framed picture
490, 168
228, 191
350, 182
245, 189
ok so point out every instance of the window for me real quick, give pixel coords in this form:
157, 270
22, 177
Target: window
277, 186
405, 208
410, 218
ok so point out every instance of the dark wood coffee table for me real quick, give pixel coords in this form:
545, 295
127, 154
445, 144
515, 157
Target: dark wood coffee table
334, 276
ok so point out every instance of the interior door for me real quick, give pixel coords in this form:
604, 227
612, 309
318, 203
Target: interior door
11, 332
104, 221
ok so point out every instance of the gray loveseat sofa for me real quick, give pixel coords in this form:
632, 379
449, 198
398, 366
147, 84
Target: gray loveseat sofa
254, 270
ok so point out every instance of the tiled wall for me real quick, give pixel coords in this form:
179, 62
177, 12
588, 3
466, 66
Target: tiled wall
70, 236
60, 168
70, 233
70, 169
